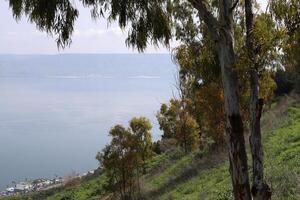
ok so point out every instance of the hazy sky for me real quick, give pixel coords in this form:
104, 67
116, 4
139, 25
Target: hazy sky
89, 36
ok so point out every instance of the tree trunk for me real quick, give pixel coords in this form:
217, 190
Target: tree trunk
221, 30
260, 190
234, 123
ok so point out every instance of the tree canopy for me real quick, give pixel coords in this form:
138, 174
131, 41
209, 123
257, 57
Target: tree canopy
125, 157
54, 17
149, 20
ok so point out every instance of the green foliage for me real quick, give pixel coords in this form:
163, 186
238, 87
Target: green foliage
54, 17
200, 78
182, 161
84, 191
167, 118
176, 122
283, 157
282, 160
119, 160
224, 194
187, 132
141, 128
125, 157
286, 14
266, 42
149, 21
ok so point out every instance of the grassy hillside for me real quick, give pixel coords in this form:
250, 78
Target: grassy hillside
204, 175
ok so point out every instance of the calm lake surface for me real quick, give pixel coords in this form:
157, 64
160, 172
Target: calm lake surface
56, 111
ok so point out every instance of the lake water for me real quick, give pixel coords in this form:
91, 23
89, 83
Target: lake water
56, 111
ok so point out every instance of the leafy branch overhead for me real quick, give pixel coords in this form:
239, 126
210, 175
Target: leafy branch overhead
150, 22
54, 17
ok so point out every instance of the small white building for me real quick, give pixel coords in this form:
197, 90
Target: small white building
47, 182
84, 174
58, 180
23, 186
91, 172
10, 189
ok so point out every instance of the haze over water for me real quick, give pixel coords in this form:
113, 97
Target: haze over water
56, 111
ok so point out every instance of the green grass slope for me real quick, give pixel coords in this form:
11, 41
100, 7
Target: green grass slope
282, 162
205, 175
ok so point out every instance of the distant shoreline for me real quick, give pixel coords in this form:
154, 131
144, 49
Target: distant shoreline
91, 54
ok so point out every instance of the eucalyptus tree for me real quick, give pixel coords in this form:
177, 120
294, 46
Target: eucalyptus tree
255, 59
260, 189
151, 22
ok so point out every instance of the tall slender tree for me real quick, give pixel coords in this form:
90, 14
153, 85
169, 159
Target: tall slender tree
221, 31
260, 190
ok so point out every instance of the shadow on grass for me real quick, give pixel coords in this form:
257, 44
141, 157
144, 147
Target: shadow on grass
199, 164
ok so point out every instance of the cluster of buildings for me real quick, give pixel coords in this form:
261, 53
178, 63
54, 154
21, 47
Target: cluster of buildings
31, 186
41, 184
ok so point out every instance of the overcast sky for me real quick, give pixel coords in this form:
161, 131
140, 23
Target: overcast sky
89, 37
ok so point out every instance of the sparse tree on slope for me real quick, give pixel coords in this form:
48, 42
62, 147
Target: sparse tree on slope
125, 157
260, 190
176, 122
141, 128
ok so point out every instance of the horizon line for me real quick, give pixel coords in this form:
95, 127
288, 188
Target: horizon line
61, 54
